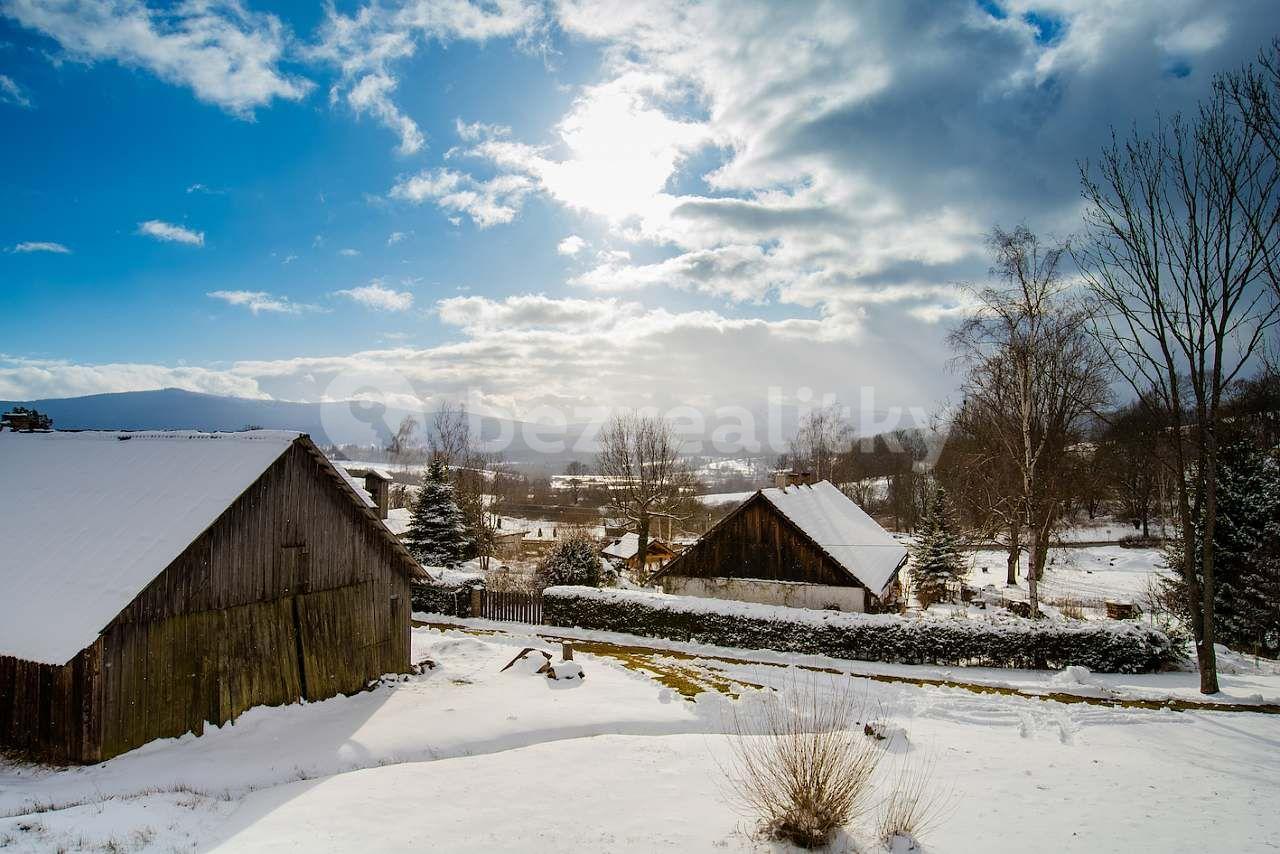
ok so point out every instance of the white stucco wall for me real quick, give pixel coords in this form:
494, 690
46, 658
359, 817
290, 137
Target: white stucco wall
791, 593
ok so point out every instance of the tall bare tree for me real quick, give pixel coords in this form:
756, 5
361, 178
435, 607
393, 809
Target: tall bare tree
450, 439
821, 440
640, 457
984, 480
1183, 225
1034, 373
400, 446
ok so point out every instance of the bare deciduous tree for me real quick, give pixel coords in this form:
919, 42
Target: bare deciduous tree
1034, 373
640, 456
450, 437
400, 445
984, 480
1183, 226
820, 441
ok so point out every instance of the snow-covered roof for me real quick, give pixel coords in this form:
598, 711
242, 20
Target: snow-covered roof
90, 519
358, 486
623, 548
842, 529
398, 519
626, 546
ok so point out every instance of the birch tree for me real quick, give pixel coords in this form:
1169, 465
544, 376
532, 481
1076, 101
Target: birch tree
1033, 374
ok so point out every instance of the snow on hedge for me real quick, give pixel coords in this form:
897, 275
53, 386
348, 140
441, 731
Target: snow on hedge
998, 641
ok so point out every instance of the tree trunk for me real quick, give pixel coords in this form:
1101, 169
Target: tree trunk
1033, 595
642, 548
1041, 557
1209, 466
1186, 519
1015, 551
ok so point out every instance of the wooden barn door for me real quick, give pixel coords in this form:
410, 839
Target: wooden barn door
344, 636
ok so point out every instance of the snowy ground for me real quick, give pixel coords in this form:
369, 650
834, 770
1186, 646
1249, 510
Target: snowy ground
465, 758
1090, 574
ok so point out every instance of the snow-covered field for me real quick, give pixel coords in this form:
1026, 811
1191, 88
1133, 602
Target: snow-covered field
467, 758
1086, 574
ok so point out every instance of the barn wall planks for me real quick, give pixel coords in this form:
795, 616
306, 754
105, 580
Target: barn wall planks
292, 593
758, 542
49, 711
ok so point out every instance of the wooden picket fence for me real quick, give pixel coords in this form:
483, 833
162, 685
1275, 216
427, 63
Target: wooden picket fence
507, 605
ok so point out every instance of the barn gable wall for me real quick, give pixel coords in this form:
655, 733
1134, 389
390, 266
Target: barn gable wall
756, 541
291, 593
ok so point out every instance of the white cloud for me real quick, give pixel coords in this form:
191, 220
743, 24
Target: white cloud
372, 94
491, 202
734, 271
534, 357
227, 55
349, 253
622, 148
41, 246
259, 301
11, 92
530, 354
847, 163
366, 46
475, 131
377, 296
170, 233
29, 379
571, 245
395, 237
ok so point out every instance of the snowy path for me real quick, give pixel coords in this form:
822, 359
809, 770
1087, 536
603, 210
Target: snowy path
470, 759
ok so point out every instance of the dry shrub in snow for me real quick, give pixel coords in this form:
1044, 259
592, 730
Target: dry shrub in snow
913, 803
800, 762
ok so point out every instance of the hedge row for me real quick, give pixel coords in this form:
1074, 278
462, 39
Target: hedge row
1104, 647
452, 600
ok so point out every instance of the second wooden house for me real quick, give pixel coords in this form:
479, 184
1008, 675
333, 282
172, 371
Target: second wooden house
804, 545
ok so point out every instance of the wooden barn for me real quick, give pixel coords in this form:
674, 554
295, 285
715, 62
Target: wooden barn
804, 545
155, 581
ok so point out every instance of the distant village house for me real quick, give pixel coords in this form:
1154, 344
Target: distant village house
624, 551
805, 545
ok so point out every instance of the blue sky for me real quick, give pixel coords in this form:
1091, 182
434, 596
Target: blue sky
542, 206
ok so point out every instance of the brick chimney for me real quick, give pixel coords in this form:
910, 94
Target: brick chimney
378, 485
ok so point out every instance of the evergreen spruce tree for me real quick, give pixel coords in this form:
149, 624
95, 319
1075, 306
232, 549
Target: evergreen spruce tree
1246, 552
935, 557
437, 533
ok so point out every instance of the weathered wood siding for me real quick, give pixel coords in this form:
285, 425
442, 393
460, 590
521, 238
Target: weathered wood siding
50, 711
757, 541
291, 593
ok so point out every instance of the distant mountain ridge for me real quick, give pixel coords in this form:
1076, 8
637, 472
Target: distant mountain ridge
328, 423
332, 423
174, 409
